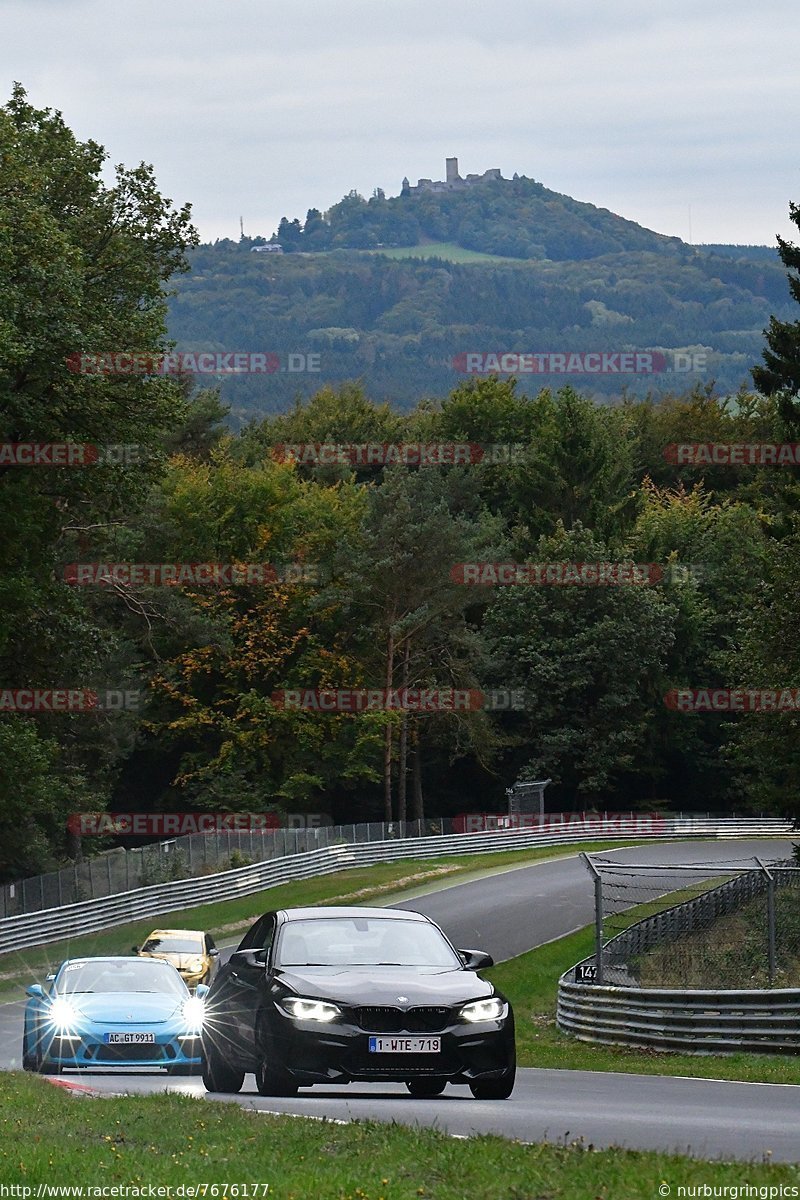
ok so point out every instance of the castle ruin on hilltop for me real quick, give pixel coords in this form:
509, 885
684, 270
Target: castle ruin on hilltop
452, 181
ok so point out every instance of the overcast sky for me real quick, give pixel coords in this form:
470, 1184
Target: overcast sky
682, 116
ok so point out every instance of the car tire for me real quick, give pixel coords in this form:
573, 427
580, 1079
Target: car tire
422, 1088
29, 1059
219, 1076
49, 1068
494, 1089
271, 1082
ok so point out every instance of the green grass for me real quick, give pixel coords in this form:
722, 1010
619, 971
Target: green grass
172, 1139
531, 984
359, 885
447, 250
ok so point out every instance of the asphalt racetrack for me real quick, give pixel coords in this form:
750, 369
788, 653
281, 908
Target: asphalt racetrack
506, 914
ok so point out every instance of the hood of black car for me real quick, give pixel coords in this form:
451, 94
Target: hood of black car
400, 987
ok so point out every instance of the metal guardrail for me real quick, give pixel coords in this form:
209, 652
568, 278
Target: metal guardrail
89, 916
700, 1021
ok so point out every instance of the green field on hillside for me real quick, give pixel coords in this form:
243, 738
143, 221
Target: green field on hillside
447, 250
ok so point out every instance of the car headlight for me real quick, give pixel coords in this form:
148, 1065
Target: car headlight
484, 1010
303, 1009
194, 1011
62, 1014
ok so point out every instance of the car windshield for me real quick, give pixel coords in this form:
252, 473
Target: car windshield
173, 945
363, 942
126, 975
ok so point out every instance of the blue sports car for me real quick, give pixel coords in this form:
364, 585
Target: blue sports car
113, 1012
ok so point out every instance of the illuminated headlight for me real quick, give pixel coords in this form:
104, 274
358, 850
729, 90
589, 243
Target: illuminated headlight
62, 1014
484, 1010
194, 1011
309, 1010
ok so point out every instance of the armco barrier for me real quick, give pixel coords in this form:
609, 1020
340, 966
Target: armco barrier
89, 916
701, 1022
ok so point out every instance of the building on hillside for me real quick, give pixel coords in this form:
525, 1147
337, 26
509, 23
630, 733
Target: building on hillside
452, 181
270, 248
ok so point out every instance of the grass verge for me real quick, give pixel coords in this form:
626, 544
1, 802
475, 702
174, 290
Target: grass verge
171, 1139
358, 885
531, 984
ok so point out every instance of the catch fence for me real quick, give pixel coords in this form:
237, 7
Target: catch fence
736, 924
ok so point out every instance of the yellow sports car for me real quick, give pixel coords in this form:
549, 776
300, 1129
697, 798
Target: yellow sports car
190, 951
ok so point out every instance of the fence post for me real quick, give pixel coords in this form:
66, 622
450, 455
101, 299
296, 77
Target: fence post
770, 920
598, 919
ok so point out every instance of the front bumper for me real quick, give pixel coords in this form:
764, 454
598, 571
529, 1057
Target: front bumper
339, 1052
87, 1048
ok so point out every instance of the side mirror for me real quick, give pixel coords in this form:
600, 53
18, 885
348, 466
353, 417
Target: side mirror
134, 949
476, 960
248, 958
201, 990
36, 990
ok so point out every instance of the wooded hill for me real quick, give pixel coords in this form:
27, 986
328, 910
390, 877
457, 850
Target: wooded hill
391, 291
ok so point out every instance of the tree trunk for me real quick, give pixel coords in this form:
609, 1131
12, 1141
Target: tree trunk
387, 742
401, 782
416, 776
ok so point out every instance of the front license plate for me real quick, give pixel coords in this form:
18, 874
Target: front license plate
401, 1045
128, 1039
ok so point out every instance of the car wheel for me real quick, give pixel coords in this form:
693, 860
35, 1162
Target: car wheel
270, 1082
420, 1088
218, 1076
29, 1059
494, 1089
49, 1068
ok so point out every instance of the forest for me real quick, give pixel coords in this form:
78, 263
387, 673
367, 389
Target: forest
401, 326
354, 574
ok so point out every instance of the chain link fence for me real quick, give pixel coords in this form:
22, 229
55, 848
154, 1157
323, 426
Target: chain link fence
194, 855
721, 925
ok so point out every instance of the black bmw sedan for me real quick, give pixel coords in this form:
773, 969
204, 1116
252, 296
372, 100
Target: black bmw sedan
339, 995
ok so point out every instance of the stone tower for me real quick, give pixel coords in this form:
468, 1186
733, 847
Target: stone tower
452, 170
